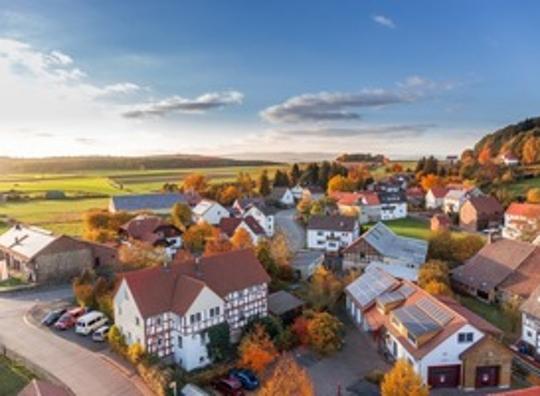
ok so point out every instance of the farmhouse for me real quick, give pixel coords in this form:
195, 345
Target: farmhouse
393, 205
282, 195
264, 215
241, 204
364, 204
229, 225
210, 212
501, 270
446, 344
480, 213
39, 256
169, 310
399, 255
522, 221
435, 197
156, 203
331, 233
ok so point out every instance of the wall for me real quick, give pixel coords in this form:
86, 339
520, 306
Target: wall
62, 265
125, 312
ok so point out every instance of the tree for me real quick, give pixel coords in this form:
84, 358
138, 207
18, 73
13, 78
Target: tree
257, 350
295, 174
264, 255
402, 380
304, 208
264, 183
325, 333
135, 353
197, 235
195, 182
436, 288
397, 168
467, 246
279, 249
324, 289
433, 270
241, 239
430, 181
219, 346
245, 183
300, 328
288, 378
181, 216
281, 179
228, 195
485, 155
324, 174
341, 183
102, 226
531, 150
533, 195
510, 308
141, 254
217, 244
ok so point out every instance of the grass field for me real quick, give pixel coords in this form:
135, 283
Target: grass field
410, 227
521, 187
12, 377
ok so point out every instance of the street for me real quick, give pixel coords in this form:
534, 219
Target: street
83, 371
295, 233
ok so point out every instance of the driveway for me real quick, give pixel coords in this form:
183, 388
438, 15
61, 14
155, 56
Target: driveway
295, 233
83, 371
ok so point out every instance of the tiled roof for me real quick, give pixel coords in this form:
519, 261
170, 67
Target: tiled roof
532, 304
132, 203
524, 209
144, 227
174, 288
415, 192
439, 192
282, 302
229, 225
485, 205
356, 198
332, 223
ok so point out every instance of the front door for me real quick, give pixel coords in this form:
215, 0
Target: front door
444, 376
487, 376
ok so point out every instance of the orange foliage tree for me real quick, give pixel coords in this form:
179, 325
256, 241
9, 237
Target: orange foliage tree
288, 378
341, 183
217, 244
195, 182
325, 333
241, 239
531, 150
228, 195
300, 329
402, 380
533, 195
257, 350
429, 181
484, 156
197, 235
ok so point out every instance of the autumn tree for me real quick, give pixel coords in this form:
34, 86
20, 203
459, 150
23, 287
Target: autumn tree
454, 249
217, 244
279, 249
531, 150
264, 183
324, 289
197, 235
433, 270
325, 333
397, 168
181, 216
341, 183
300, 329
436, 288
103, 226
402, 380
304, 208
228, 195
245, 184
257, 350
485, 155
141, 254
288, 378
264, 255
533, 195
241, 239
430, 181
195, 182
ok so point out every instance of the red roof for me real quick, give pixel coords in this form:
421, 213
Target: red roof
144, 228
228, 225
524, 209
159, 289
439, 192
352, 198
415, 192
442, 218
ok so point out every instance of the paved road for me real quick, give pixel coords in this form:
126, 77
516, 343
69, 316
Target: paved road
295, 233
84, 372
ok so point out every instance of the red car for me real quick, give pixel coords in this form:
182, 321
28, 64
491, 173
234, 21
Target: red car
68, 319
229, 387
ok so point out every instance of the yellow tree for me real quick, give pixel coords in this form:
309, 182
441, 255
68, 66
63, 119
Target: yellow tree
324, 288
341, 183
197, 235
531, 150
437, 288
533, 195
288, 378
325, 333
433, 270
181, 216
485, 155
195, 182
279, 249
257, 350
402, 380
228, 195
217, 244
241, 239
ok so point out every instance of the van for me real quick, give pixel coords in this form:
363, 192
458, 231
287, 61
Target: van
100, 335
90, 322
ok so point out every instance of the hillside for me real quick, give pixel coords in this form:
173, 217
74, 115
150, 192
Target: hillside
510, 139
97, 163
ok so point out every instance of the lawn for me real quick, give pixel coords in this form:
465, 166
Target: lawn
12, 377
521, 187
410, 227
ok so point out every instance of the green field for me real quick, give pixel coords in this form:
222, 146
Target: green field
64, 216
492, 313
12, 377
410, 227
521, 187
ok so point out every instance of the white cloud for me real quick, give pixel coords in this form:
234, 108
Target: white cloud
384, 21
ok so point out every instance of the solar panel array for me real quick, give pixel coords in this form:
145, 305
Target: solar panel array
416, 321
440, 314
370, 285
390, 297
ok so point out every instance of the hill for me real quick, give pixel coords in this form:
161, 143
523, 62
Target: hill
361, 157
97, 163
510, 139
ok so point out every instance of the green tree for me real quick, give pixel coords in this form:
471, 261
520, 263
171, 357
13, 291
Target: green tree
295, 174
264, 183
219, 346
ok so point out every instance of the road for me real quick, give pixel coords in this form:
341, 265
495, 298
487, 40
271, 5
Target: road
83, 371
294, 232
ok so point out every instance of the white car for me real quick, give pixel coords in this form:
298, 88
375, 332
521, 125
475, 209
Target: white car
90, 322
100, 334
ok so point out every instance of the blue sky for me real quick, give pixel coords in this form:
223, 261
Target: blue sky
221, 77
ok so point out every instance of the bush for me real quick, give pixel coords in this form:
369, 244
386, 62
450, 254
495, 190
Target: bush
206, 376
117, 340
135, 353
156, 376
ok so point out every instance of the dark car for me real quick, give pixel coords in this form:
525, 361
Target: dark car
69, 318
246, 377
229, 387
52, 316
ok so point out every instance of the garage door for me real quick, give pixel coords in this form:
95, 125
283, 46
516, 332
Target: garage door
444, 376
487, 376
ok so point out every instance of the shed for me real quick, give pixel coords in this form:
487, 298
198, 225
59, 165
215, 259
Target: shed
284, 305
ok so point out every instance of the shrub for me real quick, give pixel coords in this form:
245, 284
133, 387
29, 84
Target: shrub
156, 376
219, 347
135, 353
325, 333
117, 340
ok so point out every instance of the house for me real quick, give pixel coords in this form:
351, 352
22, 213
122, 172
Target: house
440, 222
265, 216
415, 196
530, 321
480, 213
364, 204
521, 221
456, 197
297, 192
381, 245
282, 196
154, 231
435, 197
169, 309
210, 212
39, 256
313, 193
510, 159
502, 270
229, 225
531, 391
445, 343
306, 262
155, 203
241, 204
331, 233
393, 205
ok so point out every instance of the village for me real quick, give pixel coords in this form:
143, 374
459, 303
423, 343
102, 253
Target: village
306, 272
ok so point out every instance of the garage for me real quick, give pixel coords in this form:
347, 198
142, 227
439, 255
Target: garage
487, 376
444, 376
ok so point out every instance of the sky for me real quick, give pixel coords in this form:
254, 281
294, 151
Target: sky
253, 78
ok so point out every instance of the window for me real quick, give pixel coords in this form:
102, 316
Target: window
159, 341
217, 311
136, 321
158, 322
180, 342
529, 333
465, 337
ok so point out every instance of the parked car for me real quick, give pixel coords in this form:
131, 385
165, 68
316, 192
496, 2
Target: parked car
247, 378
90, 322
69, 318
229, 387
52, 316
100, 334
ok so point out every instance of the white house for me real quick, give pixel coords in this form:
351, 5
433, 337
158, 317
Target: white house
282, 195
530, 321
456, 197
297, 192
510, 159
209, 211
331, 233
435, 197
168, 310
230, 225
393, 205
446, 344
521, 220
364, 204
264, 215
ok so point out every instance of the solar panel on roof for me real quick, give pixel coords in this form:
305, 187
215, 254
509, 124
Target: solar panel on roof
437, 312
390, 297
370, 285
416, 321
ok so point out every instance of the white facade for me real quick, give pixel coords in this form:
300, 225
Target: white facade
297, 192
265, 221
393, 211
530, 331
127, 316
287, 198
515, 225
210, 212
255, 238
331, 241
432, 202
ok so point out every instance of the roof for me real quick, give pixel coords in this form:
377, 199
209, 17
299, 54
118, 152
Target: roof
314, 189
397, 271
262, 207
485, 205
392, 197
277, 193
524, 209
204, 206
474, 319
389, 244
26, 241
332, 223
356, 198
144, 227
415, 192
243, 203
132, 203
531, 305
455, 194
174, 288
371, 284
305, 258
282, 302
42, 388
438, 192
489, 267
228, 225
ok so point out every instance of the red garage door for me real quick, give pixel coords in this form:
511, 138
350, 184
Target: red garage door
487, 376
444, 376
